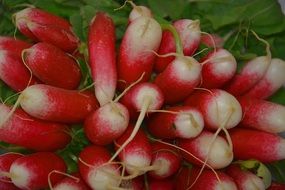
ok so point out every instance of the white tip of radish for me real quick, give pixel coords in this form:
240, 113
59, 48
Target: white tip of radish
136, 161
253, 183
281, 149
163, 166
66, 186
103, 178
143, 36
139, 11
186, 69
226, 185
22, 176
189, 124
275, 119
224, 110
275, 72
256, 66
21, 17
220, 154
34, 101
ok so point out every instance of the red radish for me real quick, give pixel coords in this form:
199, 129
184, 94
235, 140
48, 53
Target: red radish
262, 115
56, 104
92, 169
23, 130
13, 72
166, 158
189, 33
179, 79
277, 186
208, 147
139, 11
43, 26
254, 144
13, 45
164, 184
68, 183
52, 66
207, 180
176, 122
101, 47
219, 108
136, 155
273, 79
245, 180
5, 162
142, 36
107, 123
32, 171
218, 68
134, 184
212, 40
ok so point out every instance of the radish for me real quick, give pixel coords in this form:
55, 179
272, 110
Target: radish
254, 144
52, 66
143, 35
5, 162
13, 72
207, 180
218, 68
136, 155
95, 170
262, 115
69, 183
139, 11
212, 40
245, 180
176, 122
219, 108
101, 47
32, 171
167, 158
134, 184
107, 123
43, 26
179, 79
210, 148
189, 33
273, 79
162, 184
277, 186
13, 45
23, 130
56, 104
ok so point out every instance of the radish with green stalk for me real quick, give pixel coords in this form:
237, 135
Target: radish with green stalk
273, 79
13, 45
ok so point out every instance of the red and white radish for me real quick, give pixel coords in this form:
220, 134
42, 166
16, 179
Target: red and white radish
255, 144
245, 180
95, 170
23, 130
218, 68
207, 180
219, 108
13, 45
179, 79
52, 66
32, 171
273, 79
13, 72
212, 149
189, 33
69, 183
107, 123
42, 26
167, 160
176, 122
262, 115
139, 11
102, 60
142, 36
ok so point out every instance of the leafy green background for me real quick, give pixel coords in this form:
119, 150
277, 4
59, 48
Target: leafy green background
231, 19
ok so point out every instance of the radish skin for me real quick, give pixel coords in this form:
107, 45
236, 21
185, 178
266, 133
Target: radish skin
262, 115
273, 79
134, 184
68, 183
31, 171
219, 153
254, 144
102, 61
13, 45
142, 36
53, 66
212, 40
13, 72
139, 11
276, 186
179, 122
163, 184
23, 130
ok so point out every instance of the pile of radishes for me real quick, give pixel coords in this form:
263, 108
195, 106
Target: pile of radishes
159, 118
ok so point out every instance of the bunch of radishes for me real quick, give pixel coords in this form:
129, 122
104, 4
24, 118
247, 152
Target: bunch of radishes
159, 118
